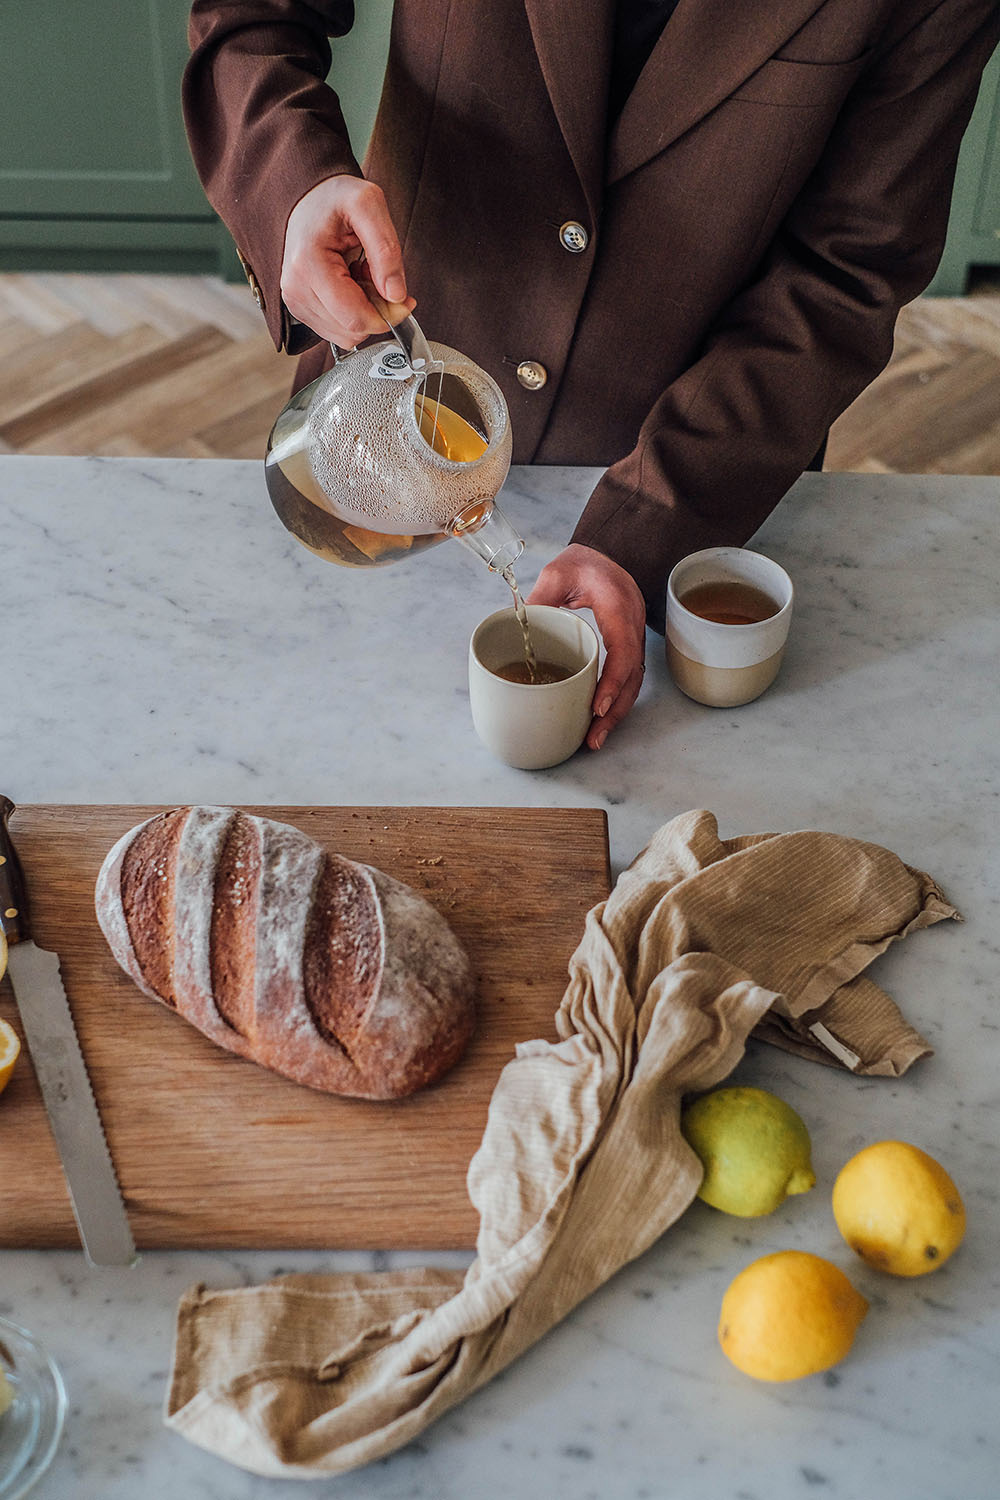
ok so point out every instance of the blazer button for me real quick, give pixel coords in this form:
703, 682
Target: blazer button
258, 295
573, 237
532, 375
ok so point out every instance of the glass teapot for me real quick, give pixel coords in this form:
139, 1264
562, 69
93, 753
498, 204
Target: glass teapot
397, 447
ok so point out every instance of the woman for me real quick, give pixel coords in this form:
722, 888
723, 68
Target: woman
677, 233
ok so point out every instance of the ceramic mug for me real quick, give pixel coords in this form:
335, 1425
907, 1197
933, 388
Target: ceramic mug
533, 725
726, 664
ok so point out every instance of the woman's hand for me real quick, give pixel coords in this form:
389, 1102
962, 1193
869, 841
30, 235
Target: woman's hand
341, 221
581, 578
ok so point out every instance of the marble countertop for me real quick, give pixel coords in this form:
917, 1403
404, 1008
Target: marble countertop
167, 641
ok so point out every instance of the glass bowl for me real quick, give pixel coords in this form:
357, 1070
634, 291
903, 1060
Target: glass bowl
31, 1425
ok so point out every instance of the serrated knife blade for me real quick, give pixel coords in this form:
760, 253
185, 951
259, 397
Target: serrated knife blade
61, 1072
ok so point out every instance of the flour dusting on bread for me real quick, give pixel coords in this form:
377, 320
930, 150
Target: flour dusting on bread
325, 970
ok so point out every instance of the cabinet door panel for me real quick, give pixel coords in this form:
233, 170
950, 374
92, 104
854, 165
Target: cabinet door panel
90, 111
986, 216
358, 69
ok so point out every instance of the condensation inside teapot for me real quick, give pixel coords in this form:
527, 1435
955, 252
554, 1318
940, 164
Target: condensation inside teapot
374, 461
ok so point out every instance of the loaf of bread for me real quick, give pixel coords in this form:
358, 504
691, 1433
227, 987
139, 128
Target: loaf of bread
327, 971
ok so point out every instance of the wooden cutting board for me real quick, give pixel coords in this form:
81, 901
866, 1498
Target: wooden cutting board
215, 1152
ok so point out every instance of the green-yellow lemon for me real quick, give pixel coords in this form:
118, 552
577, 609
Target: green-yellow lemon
753, 1146
898, 1208
788, 1315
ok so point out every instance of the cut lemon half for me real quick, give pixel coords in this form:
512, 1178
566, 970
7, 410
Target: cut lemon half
10, 1046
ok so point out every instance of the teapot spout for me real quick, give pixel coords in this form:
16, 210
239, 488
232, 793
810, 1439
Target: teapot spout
485, 530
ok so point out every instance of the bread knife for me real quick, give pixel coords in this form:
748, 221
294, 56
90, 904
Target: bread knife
61, 1071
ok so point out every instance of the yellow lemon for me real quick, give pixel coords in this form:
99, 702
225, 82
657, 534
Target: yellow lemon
898, 1208
788, 1315
6, 1392
755, 1150
10, 1046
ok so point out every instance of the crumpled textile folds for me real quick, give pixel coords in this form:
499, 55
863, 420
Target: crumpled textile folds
582, 1164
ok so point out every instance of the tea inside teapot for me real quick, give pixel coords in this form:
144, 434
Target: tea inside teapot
377, 460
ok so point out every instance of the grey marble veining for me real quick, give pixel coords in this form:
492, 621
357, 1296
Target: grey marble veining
167, 641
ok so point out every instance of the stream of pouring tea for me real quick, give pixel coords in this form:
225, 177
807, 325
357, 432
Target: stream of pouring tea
449, 434
522, 619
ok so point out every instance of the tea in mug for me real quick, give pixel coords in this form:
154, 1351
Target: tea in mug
729, 602
543, 672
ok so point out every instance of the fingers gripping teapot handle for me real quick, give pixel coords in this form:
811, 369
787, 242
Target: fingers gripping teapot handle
405, 330
398, 319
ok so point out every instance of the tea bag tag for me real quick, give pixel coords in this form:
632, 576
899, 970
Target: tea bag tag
390, 363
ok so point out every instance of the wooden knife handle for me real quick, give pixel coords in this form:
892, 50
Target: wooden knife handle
14, 918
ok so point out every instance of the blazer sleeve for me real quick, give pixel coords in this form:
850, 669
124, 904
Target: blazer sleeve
794, 348
265, 127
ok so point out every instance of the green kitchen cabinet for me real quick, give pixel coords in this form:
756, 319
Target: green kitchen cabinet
95, 172
974, 226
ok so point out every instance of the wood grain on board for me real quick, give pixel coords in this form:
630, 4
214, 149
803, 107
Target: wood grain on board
213, 1151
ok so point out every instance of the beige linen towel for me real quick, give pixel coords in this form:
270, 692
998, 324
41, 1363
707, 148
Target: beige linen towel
582, 1164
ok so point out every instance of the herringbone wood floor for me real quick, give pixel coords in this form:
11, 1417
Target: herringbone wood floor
182, 366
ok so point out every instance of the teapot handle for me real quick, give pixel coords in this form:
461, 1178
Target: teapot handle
410, 338
401, 324
408, 335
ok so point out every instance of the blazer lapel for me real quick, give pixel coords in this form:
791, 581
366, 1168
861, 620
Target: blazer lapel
574, 50
707, 49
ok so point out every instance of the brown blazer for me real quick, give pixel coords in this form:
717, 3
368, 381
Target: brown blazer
776, 187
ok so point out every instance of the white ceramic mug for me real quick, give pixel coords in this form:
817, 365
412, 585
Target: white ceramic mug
533, 725
724, 664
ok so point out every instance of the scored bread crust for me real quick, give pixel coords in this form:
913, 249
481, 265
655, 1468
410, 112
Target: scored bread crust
322, 969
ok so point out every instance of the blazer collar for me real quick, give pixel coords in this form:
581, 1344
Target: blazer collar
707, 49
574, 51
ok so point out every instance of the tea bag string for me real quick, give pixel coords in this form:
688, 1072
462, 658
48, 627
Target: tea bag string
411, 339
402, 325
